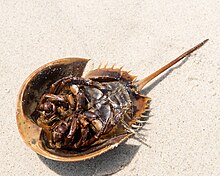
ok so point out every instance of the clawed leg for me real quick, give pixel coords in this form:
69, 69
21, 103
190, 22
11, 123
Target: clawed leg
84, 135
58, 85
71, 135
59, 133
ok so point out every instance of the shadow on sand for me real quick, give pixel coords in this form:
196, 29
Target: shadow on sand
106, 164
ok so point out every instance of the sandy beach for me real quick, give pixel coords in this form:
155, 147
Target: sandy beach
184, 130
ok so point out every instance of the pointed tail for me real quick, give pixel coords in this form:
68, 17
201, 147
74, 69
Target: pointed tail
143, 82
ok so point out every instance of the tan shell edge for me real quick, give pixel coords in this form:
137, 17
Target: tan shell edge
30, 132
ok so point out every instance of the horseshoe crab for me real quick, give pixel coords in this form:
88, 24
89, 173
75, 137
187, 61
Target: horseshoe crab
65, 116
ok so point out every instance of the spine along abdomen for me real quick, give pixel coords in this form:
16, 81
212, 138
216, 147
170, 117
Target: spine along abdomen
114, 105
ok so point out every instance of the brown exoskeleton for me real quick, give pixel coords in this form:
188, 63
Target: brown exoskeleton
77, 117
79, 113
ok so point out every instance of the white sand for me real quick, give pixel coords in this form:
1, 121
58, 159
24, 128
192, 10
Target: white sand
184, 134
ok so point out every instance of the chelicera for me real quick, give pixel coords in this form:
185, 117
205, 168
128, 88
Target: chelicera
82, 115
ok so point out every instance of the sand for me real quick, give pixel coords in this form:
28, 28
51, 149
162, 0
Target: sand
184, 131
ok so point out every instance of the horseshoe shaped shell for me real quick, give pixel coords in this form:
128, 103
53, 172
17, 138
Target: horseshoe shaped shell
40, 81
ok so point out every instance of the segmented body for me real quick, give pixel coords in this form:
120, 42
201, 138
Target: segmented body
80, 112
81, 117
